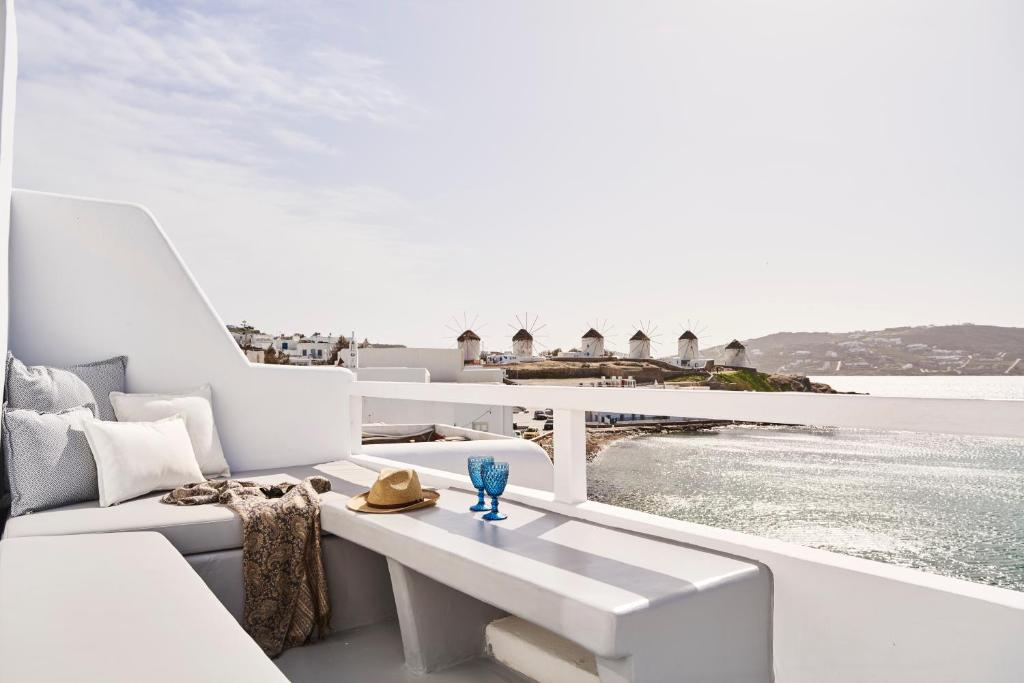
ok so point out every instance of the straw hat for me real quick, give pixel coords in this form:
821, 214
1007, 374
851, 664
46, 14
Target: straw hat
394, 491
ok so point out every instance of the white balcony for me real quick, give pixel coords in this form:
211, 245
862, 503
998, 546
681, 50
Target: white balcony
90, 593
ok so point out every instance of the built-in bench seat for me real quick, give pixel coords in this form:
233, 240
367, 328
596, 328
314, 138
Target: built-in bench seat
191, 529
210, 538
641, 605
115, 607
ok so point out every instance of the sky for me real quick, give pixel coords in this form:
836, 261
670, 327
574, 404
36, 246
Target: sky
743, 167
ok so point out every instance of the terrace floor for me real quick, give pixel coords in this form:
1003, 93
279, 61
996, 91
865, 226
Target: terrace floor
374, 653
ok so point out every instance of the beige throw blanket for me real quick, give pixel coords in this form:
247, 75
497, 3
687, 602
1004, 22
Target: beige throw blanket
282, 568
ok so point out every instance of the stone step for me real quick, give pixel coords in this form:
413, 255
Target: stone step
538, 653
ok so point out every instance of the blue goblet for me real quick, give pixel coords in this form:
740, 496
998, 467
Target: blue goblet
476, 475
495, 478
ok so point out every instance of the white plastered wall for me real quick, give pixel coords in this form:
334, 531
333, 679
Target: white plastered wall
9, 71
91, 279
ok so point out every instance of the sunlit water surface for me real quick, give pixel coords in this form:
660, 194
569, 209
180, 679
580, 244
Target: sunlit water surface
949, 505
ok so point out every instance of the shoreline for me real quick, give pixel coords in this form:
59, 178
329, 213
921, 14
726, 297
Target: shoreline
599, 438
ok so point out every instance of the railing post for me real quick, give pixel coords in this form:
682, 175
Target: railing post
355, 423
570, 456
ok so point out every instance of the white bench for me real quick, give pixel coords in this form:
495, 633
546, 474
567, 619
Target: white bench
649, 609
116, 607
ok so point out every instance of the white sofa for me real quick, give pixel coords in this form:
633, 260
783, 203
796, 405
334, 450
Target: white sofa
210, 539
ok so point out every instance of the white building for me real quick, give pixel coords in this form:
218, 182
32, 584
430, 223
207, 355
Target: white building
688, 353
251, 339
300, 349
687, 347
316, 351
469, 345
328, 338
255, 355
288, 343
522, 344
259, 340
735, 355
639, 345
592, 344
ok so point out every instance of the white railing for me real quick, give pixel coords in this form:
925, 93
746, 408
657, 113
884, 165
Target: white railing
834, 618
948, 416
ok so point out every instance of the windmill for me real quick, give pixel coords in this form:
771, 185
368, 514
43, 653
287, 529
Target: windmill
526, 331
642, 340
735, 355
687, 344
592, 342
468, 341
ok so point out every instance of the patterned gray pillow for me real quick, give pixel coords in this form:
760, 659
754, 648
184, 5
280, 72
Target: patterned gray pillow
51, 390
49, 462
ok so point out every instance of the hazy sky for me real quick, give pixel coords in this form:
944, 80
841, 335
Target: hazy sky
383, 166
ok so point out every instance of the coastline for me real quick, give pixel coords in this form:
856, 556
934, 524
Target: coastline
600, 438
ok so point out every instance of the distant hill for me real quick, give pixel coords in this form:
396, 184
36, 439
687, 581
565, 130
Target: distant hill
929, 350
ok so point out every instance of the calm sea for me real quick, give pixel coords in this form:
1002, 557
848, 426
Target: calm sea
945, 504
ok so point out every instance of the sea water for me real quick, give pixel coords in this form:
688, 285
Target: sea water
950, 505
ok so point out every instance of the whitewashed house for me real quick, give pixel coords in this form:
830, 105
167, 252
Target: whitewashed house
289, 344
316, 351
328, 338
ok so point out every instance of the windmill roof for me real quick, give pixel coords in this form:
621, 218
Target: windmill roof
735, 344
522, 335
639, 336
468, 334
592, 334
687, 335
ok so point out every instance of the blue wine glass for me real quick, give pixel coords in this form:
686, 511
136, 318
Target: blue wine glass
495, 478
476, 475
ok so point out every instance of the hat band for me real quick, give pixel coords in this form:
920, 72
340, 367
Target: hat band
394, 505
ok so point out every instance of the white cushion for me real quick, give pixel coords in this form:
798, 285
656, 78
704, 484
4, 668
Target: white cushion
197, 408
133, 458
190, 528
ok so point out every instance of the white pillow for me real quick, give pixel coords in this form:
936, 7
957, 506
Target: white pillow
197, 408
133, 458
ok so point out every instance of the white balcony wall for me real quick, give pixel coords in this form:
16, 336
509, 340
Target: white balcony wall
489, 418
444, 365
835, 618
91, 279
8, 80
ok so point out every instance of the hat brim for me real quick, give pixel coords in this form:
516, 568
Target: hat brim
359, 503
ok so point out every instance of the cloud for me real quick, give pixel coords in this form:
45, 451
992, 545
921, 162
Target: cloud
220, 71
300, 142
192, 113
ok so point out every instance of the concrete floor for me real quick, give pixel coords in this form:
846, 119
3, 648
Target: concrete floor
374, 654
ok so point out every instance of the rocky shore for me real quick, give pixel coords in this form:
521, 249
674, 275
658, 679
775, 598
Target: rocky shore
600, 437
647, 372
